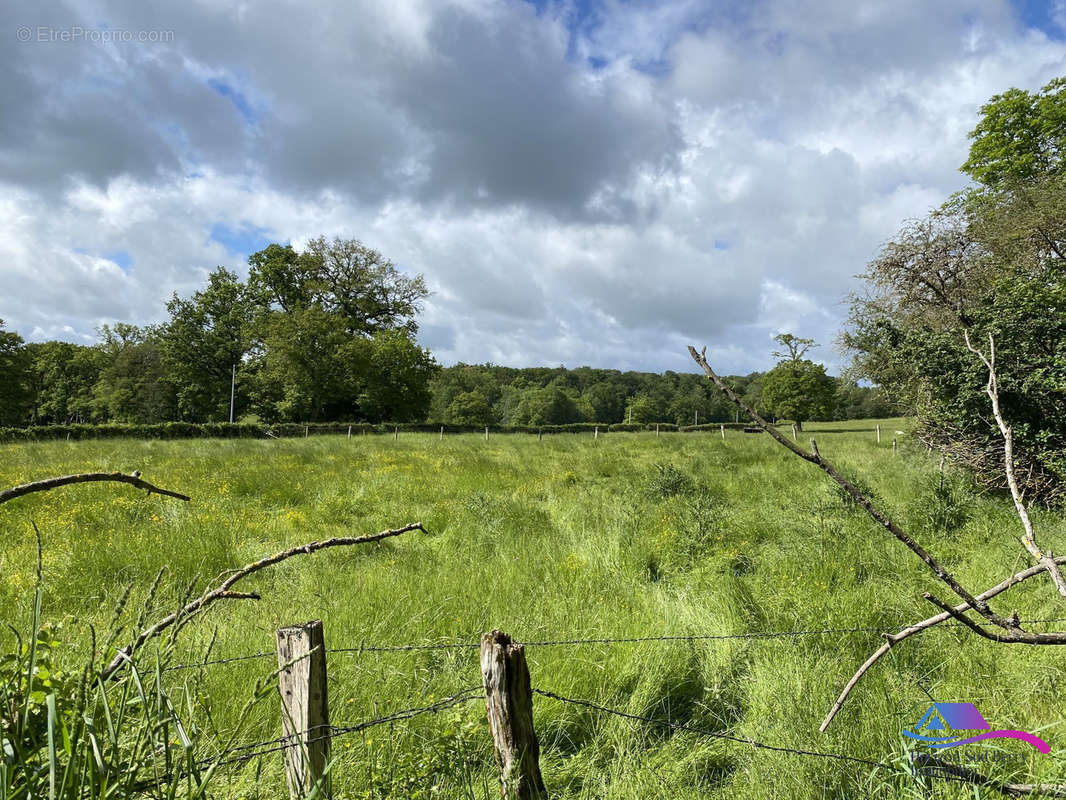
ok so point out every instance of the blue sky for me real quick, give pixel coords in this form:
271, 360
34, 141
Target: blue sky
579, 183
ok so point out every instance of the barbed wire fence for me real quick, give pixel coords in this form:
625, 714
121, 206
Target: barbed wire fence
314, 732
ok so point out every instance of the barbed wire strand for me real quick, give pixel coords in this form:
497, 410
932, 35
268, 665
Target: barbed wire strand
682, 726
258, 749
399, 648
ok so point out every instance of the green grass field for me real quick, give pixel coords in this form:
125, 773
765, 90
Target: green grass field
625, 536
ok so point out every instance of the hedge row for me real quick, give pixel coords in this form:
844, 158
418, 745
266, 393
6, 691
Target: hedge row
243, 430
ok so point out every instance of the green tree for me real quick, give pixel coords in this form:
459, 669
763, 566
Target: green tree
64, 377
797, 388
16, 379
469, 408
134, 384
206, 338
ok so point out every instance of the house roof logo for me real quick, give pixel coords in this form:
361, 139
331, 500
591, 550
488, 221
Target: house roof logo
947, 719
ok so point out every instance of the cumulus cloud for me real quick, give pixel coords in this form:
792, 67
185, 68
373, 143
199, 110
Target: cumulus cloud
588, 183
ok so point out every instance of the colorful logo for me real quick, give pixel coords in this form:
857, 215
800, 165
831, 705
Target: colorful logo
953, 717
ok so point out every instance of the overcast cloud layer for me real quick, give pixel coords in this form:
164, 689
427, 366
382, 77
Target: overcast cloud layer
580, 184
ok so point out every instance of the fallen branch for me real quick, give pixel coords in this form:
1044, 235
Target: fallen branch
133, 479
861, 499
1028, 540
892, 639
222, 591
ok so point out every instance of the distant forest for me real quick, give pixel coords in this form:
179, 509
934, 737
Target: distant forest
328, 334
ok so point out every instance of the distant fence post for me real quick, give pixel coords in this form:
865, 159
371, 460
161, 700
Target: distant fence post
656, 430
795, 437
540, 434
486, 433
879, 434
722, 428
596, 433
893, 447
305, 431
442, 433
304, 707
349, 431
509, 706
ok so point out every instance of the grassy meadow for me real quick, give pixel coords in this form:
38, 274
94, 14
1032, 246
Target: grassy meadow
628, 535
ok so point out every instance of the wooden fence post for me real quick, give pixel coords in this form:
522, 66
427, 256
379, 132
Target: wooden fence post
656, 430
795, 438
305, 431
879, 434
486, 433
509, 706
540, 434
596, 433
304, 707
349, 431
722, 427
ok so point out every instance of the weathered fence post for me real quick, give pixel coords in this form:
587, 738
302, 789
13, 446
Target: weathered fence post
442, 433
722, 427
509, 706
656, 430
305, 431
349, 431
596, 433
486, 433
396, 433
795, 437
879, 434
304, 707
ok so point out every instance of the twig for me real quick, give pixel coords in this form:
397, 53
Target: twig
133, 479
861, 499
893, 639
222, 591
1028, 540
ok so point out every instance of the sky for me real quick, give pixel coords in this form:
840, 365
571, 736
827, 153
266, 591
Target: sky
590, 183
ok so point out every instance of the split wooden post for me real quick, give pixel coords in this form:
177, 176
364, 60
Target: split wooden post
509, 706
305, 431
795, 436
304, 708
722, 428
879, 434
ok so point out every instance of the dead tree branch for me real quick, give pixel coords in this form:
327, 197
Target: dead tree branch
861, 499
1028, 540
892, 639
222, 591
133, 479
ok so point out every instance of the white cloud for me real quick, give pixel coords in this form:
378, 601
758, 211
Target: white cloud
720, 177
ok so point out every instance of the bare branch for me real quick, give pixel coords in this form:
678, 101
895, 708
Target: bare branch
861, 499
893, 639
133, 479
222, 591
1028, 540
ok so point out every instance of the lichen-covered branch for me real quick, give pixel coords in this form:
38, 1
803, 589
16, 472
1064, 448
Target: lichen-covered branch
223, 590
133, 479
1028, 539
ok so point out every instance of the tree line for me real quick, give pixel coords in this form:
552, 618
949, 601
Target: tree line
328, 334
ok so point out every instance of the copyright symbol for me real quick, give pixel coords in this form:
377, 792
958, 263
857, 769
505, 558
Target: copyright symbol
23, 33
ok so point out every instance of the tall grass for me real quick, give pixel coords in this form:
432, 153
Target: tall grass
626, 535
